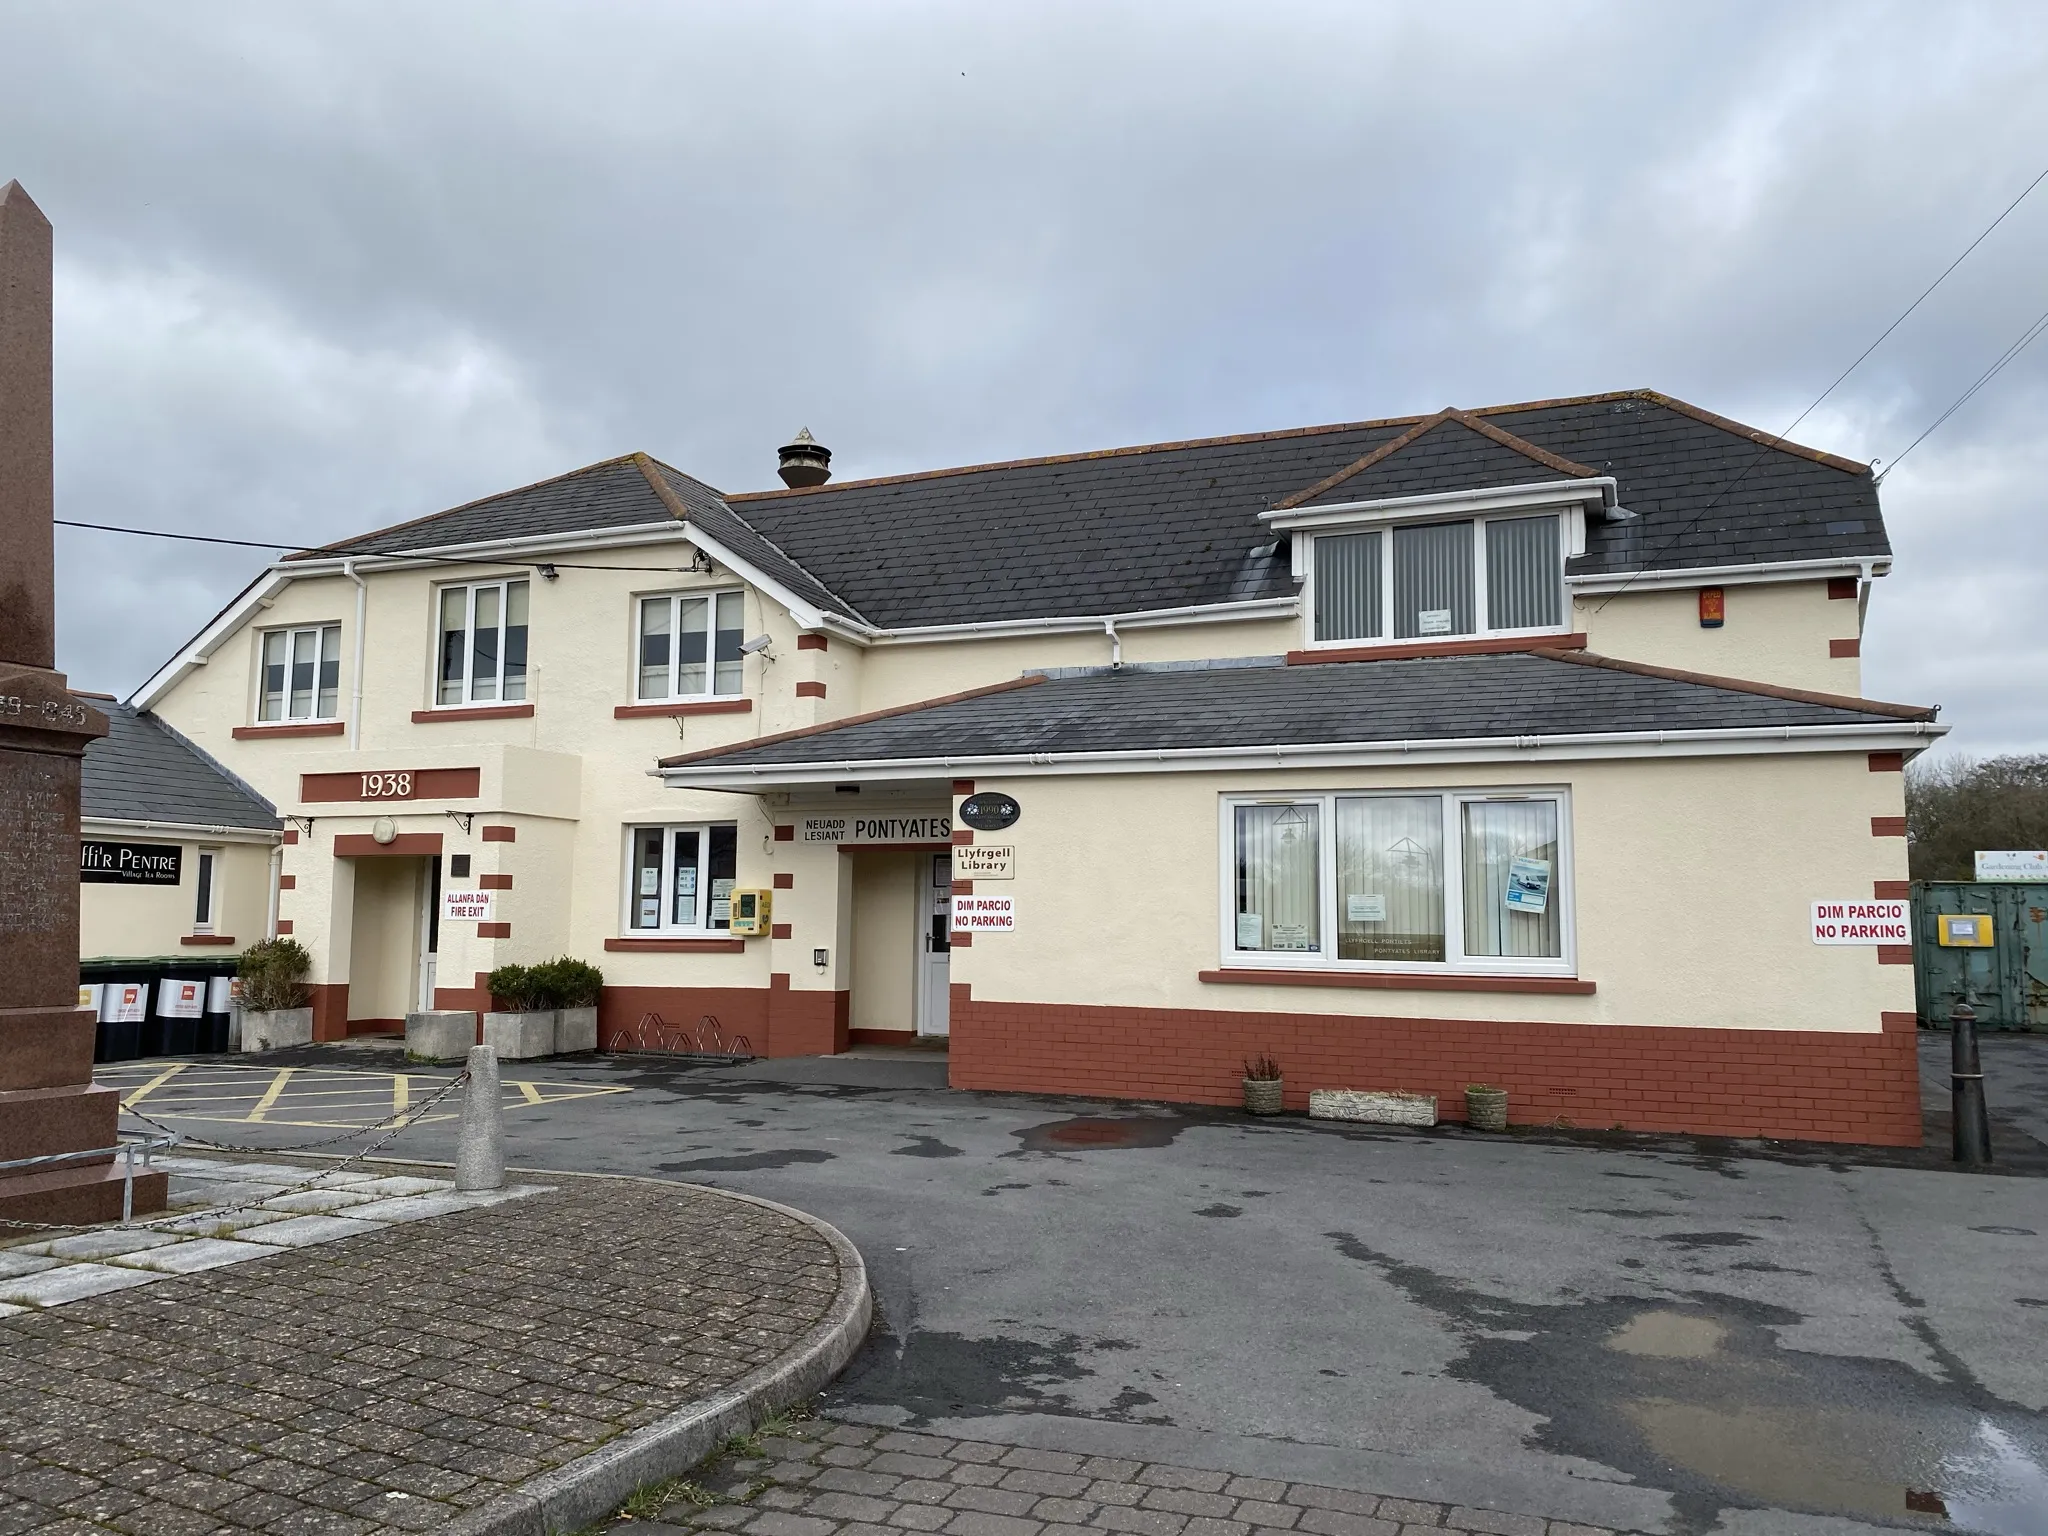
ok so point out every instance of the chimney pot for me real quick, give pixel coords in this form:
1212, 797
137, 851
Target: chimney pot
805, 461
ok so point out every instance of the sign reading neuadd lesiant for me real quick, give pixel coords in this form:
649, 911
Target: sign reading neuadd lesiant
129, 863
875, 829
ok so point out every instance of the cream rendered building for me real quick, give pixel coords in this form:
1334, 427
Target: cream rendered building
1512, 745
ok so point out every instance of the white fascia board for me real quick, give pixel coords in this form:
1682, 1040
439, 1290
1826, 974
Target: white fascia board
1500, 498
1865, 569
102, 826
194, 653
507, 551
1143, 618
1755, 741
807, 615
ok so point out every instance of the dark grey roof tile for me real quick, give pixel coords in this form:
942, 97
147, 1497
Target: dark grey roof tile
142, 770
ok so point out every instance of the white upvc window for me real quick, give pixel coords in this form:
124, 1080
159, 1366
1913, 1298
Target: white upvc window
1476, 578
206, 901
1394, 880
300, 674
482, 658
688, 646
679, 879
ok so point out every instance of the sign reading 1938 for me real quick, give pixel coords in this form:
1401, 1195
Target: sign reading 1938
392, 784
129, 863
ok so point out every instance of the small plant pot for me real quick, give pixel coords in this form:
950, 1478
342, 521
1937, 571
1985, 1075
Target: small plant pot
1486, 1109
1262, 1095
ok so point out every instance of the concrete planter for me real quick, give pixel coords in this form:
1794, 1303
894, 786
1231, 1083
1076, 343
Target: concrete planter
576, 1031
439, 1035
521, 1036
1374, 1108
268, 1029
1486, 1109
1262, 1095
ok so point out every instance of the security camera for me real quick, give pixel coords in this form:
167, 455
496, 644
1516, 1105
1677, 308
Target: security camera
756, 645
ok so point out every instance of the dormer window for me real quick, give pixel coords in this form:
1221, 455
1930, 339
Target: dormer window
1473, 578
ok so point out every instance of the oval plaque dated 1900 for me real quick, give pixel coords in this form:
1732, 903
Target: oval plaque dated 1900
990, 811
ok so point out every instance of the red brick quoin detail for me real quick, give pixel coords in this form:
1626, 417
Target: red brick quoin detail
785, 832
810, 690
1887, 762
1803, 1085
1887, 826
785, 881
1840, 649
1890, 890
500, 834
494, 930
812, 643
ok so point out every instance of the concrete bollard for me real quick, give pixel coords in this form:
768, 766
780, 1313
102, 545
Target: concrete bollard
480, 1154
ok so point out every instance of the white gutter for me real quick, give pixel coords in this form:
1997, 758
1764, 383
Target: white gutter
1600, 488
355, 706
90, 825
1082, 624
1728, 575
1891, 736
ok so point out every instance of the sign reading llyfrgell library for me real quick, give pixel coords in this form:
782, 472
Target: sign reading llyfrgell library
1862, 922
101, 863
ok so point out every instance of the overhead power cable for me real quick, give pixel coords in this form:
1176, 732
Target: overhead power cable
387, 554
1773, 443
2026, 339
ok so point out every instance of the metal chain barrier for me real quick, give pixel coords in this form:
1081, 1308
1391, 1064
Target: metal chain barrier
395, 1123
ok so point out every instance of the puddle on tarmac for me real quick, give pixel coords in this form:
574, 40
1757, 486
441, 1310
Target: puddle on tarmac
1668, 1336
1101, 1132
1699, 1398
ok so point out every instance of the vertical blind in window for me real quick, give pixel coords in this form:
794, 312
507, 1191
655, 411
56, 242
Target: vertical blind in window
1523, 579
301, 674
1390, 878
1277, 848
1510, 873
1348, 586
483, 644
1433, 580
690, 646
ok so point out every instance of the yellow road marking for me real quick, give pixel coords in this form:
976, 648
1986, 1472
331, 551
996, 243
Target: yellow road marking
532, 1093
401, 1093
152, 1085
284, 1075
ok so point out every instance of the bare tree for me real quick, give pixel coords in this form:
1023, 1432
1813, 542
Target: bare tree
1958, 805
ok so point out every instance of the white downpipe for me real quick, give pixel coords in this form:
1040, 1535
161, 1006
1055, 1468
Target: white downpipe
1116, 645
355, 691
276, 886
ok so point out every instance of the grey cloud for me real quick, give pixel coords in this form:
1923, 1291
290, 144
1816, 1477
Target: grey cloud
324, 268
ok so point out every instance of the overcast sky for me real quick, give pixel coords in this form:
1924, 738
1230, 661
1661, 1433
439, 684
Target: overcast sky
323, 267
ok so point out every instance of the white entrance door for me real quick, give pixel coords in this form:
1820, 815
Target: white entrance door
935, 938
430, 930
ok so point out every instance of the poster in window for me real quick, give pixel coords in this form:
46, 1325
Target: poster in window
1434, 621
650, 882
1365, 909
1290, 936
1528, 885
650, 911
686, 880
1251, 930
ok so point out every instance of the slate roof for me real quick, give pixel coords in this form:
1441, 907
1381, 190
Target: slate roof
1141, 709
1176, 524
142, 770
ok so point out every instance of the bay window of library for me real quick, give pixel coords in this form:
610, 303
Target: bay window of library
680, 879
690, 646
483, 643
1400, 880
1440, 581
301, 674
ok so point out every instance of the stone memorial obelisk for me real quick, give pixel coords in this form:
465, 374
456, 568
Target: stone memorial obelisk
48, 1103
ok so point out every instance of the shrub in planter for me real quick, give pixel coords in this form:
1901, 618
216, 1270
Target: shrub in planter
521, 1023
572, 986
516, 989
274, 996
1262, 1086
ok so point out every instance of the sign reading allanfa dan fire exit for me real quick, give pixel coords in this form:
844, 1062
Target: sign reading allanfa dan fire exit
1861, 922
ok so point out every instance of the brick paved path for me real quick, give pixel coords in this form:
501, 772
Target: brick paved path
390, 1380
824, 1479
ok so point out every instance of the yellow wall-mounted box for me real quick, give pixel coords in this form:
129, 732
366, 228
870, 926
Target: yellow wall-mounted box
1956, 930
751, 910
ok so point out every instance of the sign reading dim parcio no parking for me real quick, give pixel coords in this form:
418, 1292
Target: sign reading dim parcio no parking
1861, 922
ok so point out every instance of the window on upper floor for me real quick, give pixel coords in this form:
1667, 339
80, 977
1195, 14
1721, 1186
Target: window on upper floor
1440, 581
1476, 880
689, 646
483, 644
680, 879
301, 674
